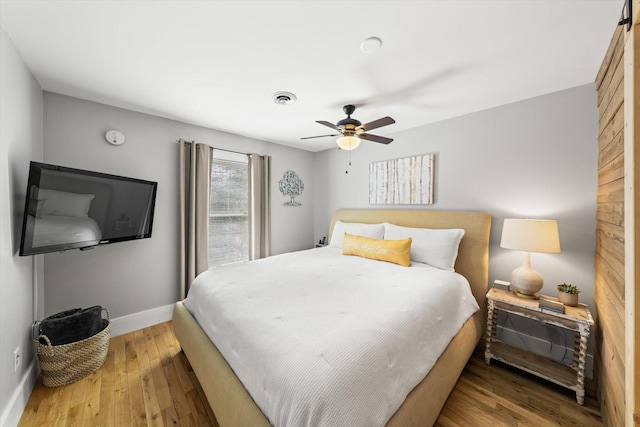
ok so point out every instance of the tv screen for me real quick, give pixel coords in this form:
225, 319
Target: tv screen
68, 208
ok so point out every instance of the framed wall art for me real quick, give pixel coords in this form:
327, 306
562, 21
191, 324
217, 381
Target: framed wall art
291, 185
406, 181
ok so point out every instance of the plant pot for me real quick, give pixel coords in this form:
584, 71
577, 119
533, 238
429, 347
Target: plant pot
568, 299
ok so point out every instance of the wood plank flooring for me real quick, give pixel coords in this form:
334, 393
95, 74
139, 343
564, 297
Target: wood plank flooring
499, 395
147, 381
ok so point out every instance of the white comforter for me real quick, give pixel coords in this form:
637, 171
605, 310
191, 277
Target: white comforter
322, 339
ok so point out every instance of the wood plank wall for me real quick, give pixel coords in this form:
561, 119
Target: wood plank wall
632, 214
610, 238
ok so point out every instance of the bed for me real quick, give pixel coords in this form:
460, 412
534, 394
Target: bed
233, 405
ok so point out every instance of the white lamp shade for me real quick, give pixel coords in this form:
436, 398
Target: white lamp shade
348, 142
530, 235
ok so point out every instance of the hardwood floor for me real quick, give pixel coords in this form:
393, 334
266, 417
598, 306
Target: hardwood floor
147, 381
499, 395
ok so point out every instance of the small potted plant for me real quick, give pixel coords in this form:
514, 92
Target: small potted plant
568, 294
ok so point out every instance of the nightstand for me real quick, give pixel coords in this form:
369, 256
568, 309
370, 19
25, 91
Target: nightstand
577, 319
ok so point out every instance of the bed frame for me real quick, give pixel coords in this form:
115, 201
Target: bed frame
232, 404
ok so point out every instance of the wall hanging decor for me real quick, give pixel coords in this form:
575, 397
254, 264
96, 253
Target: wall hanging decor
291, 185
406, 181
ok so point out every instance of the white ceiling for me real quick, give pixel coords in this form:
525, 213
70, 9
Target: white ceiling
217, 63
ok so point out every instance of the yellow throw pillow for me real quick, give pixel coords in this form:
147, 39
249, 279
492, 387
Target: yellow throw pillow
396, 251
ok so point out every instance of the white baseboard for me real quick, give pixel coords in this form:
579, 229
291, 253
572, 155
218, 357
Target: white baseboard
14, 409
133, 322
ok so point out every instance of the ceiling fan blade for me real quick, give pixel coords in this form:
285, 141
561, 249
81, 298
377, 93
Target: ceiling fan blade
331, 125
320, 136
375, 138
377, 123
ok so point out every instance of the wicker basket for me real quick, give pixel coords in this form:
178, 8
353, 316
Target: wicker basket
67, 363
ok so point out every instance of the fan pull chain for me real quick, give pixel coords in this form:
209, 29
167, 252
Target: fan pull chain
349, 161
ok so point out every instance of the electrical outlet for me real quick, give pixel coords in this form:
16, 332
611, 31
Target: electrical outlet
17, 358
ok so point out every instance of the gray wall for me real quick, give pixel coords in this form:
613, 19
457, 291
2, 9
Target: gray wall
535, 158
21, 114
134, 276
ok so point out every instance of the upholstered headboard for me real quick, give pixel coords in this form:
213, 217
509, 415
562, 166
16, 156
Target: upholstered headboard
473, 253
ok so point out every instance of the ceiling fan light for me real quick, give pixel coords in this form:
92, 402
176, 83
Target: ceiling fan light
348, 142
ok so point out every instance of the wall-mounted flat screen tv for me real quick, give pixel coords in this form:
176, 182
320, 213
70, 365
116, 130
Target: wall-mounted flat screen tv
68, 208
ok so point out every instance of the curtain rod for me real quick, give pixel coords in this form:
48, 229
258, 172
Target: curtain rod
221, 149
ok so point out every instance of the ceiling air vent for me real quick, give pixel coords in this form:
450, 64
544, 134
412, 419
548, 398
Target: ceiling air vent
284, 98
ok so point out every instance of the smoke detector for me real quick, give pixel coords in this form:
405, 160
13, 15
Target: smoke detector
114, 137
284, 98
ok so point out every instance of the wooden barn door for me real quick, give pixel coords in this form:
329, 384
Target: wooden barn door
617, 288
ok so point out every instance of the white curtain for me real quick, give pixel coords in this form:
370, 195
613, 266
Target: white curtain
195, 188
259, 206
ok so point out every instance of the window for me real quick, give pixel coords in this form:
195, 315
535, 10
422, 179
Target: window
228, 209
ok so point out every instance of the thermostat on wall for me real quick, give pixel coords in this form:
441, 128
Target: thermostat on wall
114, 137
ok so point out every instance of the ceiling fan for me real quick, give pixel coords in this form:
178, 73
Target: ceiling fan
353, 131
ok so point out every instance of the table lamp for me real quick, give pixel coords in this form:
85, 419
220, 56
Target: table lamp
529, 235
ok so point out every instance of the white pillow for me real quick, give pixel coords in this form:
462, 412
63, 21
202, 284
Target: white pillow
64, 204
436, 247
375, 231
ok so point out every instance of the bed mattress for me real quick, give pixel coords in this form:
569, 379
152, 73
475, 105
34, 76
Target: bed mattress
322, 339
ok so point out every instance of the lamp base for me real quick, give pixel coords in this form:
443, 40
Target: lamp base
525, 296
525, 280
